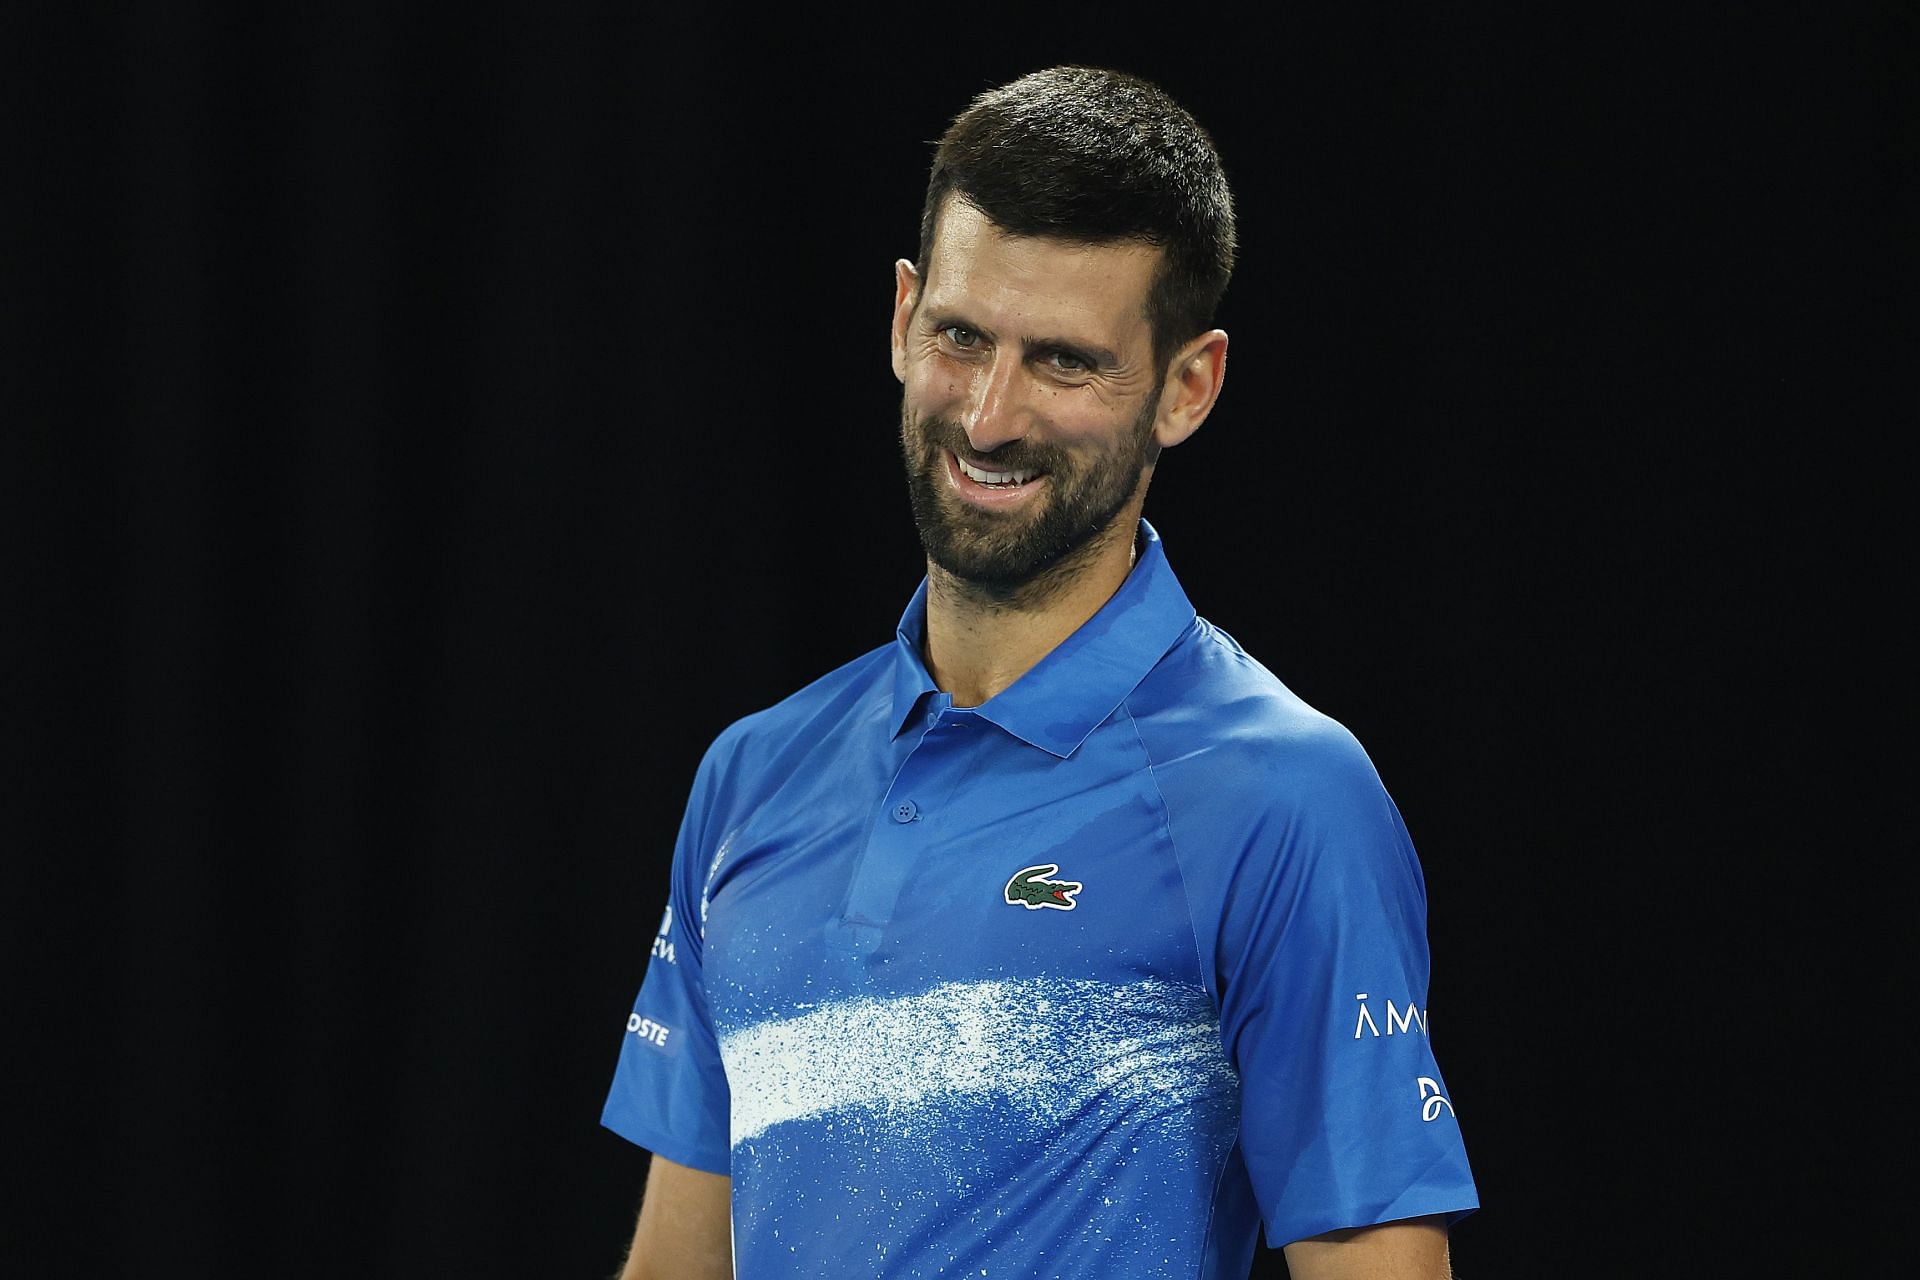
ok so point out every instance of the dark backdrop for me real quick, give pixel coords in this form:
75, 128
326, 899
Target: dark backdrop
426, 430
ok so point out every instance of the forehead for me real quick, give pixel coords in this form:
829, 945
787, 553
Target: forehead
975, 266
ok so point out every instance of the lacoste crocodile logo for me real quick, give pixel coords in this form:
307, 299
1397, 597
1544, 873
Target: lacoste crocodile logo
1031, 889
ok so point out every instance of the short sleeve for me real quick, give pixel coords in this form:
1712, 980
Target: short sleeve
669, 1091
1322, 967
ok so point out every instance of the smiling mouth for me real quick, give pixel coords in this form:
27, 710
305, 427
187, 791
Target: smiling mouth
997, 479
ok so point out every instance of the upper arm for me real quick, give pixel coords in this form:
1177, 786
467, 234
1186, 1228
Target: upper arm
1309, 901
1415, 1249
669, 1092
685, 1230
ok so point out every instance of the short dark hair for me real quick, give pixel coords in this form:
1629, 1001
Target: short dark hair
1093, 156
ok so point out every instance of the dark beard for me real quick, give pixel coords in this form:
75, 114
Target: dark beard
1020, 557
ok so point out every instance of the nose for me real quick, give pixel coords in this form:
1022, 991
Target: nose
997, 409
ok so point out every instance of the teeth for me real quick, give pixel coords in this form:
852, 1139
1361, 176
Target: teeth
978, 476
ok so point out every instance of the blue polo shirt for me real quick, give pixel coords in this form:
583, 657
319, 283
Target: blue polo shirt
1089, 980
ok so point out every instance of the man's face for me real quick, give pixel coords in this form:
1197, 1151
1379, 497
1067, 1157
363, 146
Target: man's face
1030, 399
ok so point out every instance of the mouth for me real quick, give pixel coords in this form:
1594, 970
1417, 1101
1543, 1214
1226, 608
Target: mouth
991, 488
998, 479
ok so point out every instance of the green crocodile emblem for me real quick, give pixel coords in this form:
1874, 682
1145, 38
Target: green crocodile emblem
1031, 889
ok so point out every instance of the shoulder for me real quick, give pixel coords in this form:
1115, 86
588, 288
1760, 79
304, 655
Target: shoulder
1254, 781
756, 741
1210, 709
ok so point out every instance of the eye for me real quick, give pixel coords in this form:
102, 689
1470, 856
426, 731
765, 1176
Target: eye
961, 336
1067, 362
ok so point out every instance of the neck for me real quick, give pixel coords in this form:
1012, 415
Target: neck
980, 641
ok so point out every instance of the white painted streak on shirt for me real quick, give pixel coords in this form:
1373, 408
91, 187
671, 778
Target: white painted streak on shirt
1064, 1044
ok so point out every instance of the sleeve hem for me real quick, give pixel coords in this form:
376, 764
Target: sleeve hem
1283, 1233
680, 1150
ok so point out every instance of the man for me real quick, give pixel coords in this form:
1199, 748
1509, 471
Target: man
1056, 938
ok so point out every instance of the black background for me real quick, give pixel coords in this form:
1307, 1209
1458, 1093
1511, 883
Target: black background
403, 486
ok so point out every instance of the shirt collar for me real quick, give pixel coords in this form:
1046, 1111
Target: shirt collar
1074, 688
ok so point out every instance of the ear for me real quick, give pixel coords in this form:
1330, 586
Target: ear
1192, 384
906, 296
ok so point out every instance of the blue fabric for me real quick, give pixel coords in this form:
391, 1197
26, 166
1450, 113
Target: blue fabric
879, 1004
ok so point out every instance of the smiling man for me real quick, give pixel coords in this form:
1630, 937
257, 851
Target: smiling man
1055, 938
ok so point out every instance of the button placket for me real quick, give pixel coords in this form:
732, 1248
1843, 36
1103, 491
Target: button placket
896, 840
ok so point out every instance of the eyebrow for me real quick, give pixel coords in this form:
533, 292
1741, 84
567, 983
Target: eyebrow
1095, 357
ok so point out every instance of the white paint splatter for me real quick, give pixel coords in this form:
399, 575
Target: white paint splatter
713, 870
1051, 1047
